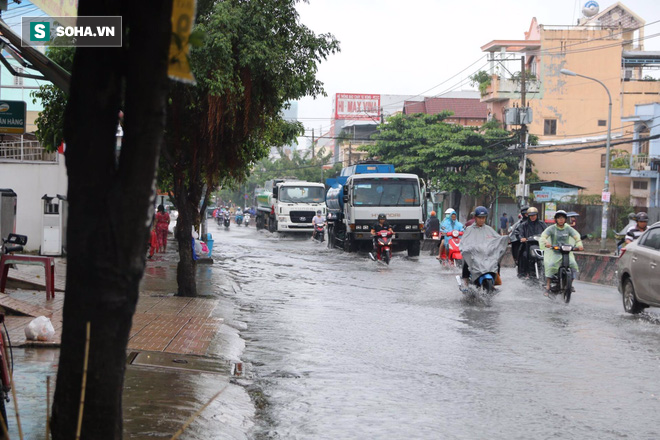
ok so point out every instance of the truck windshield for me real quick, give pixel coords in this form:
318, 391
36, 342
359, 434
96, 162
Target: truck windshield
302, 194
386, 192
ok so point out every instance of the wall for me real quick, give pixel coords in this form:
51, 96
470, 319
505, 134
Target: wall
31, 181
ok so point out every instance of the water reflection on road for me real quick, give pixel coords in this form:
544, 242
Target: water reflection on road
343, 347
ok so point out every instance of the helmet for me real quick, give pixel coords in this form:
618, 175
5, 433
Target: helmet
642, 217
432, 213
480, 211
561, 213
318, 212
382, 217
524, 209
450, 211
532, 211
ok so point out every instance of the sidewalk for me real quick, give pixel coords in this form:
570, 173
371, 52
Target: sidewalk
162, 322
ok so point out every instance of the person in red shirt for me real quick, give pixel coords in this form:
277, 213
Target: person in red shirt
162, 224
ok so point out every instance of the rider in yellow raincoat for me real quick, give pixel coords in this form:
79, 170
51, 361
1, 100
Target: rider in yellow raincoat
558, 234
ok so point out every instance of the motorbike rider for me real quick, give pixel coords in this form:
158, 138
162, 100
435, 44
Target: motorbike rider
514, 236
376, 228
432, 225
478, 231
449, 224
557, 235
533, 226
318, 219
642, 225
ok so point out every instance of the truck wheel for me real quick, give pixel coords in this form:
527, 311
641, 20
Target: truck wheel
414, 248
331, 237
349, 244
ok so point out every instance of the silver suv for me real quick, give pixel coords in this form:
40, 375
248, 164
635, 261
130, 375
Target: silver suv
639, 271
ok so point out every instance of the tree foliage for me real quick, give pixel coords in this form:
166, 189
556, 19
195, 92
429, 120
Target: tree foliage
469, 160
256, 57
50, 121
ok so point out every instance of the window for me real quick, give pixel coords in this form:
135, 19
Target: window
18, 80
602, 160
550, 127
386, 192
602, 123
640, 184
651, 239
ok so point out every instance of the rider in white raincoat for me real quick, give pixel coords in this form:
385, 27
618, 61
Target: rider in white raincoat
482, 247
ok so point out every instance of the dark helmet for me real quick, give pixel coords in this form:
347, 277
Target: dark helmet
642, 217
480, 211
319, 212
524, 209
382, 217
561, 213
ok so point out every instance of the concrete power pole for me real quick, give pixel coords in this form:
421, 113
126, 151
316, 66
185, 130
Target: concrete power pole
312, 143
523, 133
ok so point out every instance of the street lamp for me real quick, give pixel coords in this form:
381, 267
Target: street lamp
606, 203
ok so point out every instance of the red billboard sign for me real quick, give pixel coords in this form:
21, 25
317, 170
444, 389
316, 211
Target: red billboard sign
357, 106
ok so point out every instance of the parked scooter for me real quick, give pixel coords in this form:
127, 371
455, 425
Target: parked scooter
319, 232
452, 254
384, 247
246, 219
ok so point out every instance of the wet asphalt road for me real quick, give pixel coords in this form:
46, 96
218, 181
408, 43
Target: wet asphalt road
345, 348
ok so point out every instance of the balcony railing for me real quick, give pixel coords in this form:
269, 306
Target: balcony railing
502, 89
26, 151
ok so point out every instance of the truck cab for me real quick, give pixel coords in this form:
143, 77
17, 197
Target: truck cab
287, 205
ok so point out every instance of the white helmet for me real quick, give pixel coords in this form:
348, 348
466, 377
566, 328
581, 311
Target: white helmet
450, 211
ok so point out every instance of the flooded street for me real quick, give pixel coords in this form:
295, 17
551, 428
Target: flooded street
343, 347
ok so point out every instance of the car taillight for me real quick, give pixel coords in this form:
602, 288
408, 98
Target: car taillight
623, 251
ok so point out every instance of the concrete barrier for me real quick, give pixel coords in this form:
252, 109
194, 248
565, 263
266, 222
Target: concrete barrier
597, 268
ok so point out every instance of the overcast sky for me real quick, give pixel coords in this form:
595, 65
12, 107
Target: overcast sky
408, 47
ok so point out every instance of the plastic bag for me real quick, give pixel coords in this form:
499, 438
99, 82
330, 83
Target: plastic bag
40, 329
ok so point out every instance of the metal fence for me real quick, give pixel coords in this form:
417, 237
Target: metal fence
26, 151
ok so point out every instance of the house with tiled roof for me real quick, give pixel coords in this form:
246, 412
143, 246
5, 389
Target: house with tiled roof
466, 111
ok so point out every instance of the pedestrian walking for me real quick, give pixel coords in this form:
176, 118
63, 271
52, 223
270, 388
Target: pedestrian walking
162, 225
504, 224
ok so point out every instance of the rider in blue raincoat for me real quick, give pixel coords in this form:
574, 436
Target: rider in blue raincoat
449, 224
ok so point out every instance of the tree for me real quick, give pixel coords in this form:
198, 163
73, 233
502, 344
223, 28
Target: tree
109, 209
255, 58
50, 121
466, 160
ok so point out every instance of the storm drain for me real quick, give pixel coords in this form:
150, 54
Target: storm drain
181, 362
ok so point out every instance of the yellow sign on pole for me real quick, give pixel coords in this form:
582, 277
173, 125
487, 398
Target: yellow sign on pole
183, 15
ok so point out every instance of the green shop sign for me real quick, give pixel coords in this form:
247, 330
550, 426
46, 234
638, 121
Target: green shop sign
12, 117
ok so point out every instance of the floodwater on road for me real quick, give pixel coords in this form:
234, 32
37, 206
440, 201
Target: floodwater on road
343, 347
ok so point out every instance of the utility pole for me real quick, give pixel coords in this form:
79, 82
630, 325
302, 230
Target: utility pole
350, 154
523, 133
312, 143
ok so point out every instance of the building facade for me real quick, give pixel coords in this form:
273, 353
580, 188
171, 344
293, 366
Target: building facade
570, 111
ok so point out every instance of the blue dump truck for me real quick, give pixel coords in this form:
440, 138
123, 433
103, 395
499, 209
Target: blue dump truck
367, 189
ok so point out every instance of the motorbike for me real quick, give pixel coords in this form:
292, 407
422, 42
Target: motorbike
239, 219
226, 221
534, 258
246, 220
384, 247
562, 282
452, 254
437, 240
319, 232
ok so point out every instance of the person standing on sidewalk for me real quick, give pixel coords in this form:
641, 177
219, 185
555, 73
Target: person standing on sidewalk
162, 224
504, 224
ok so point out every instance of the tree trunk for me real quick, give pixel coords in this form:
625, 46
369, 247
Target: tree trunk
110, 203
186, 269
457, 202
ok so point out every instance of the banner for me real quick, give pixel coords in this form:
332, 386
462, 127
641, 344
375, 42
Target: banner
183, 15
357, 107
